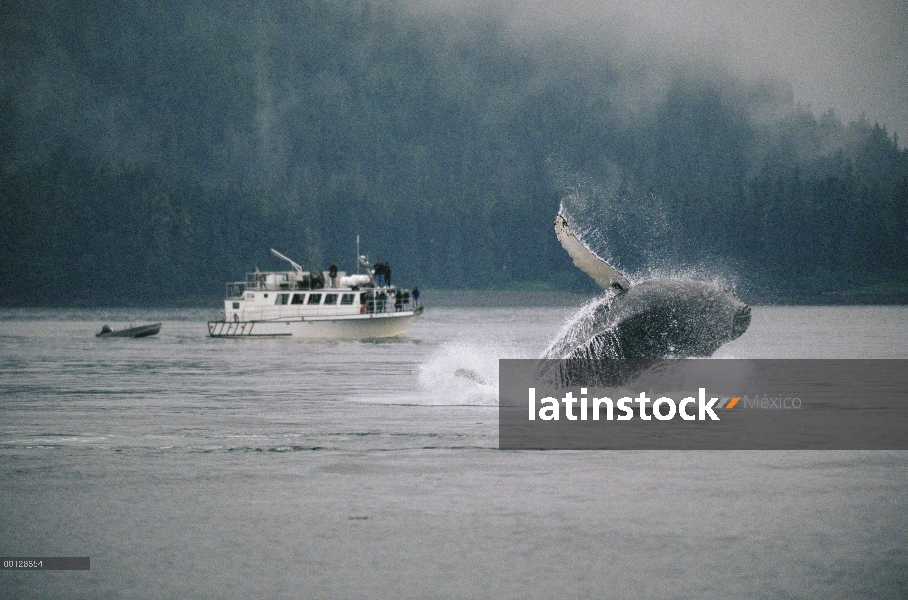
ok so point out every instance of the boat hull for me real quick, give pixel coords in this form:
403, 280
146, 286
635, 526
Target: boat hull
355, 327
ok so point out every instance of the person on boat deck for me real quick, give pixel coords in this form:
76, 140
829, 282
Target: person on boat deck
387, 274
398, 300
415, 295
379, 270
332, 274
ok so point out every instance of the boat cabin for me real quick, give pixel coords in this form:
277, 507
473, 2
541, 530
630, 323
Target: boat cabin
315, 304
282, 294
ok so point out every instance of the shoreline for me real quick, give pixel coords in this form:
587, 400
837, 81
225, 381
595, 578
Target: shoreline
447, 298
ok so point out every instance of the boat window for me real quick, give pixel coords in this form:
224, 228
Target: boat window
281, 299
236, 305
298, 298
315, 299
330, 298
347, 298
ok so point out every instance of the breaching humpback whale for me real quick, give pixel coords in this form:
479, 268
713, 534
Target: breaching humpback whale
651, 320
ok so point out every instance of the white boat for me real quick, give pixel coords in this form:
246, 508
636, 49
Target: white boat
315, 305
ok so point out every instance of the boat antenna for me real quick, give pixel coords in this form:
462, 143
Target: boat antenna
298, 268
357, 254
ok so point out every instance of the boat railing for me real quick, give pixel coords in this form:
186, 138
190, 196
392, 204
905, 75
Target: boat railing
287, 280
258, 282
388, 305
272, 281
235, 290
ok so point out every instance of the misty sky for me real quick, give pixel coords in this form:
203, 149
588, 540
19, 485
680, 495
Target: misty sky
840, 54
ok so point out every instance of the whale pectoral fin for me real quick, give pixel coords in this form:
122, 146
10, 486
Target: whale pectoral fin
607, 276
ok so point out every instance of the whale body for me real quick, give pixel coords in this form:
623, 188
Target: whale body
660, 318
644, 323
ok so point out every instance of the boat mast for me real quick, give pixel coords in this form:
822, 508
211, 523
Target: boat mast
357, 254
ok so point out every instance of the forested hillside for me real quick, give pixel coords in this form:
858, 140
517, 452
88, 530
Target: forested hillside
151, 151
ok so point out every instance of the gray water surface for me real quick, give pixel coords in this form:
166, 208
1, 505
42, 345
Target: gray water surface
191, 467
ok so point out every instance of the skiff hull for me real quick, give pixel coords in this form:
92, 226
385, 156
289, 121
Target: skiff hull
132, 332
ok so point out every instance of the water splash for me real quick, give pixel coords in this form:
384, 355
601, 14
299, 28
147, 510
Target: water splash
634, 230
577, 328
626, 226
463, 373
715, 276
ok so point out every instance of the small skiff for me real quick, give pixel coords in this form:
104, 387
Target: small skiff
133, 332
